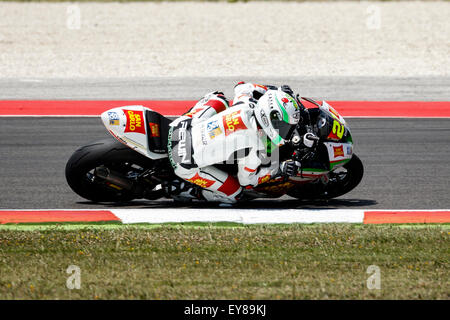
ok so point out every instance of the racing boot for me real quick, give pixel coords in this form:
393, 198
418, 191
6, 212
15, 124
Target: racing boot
181, 191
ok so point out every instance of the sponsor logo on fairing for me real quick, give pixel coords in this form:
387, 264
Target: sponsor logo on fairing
213, 129
113, 118
154, 128
349, 150
135, 121
338, 151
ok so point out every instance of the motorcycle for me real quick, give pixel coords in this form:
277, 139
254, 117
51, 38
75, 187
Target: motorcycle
134, 163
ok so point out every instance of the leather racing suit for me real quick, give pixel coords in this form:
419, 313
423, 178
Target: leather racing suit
212, 133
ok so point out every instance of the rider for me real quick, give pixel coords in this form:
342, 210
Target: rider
247, 134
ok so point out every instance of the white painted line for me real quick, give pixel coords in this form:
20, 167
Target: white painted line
245, 216
262, 216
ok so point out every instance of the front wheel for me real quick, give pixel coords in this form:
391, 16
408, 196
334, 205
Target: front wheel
108, 153
341, 181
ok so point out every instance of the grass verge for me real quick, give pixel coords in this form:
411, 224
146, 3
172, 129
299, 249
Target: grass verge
224, 262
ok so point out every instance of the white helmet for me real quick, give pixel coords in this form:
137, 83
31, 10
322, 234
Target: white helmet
278, 114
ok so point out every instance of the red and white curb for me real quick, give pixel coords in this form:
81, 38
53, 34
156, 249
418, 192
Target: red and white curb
93, 108
243, 216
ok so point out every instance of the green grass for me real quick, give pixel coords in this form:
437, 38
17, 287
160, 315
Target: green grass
224, 261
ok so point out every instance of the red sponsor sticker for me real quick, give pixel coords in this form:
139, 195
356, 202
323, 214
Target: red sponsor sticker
285, 100
264, 179
338, 151
202, 182
135, 121
233, 122
154, 127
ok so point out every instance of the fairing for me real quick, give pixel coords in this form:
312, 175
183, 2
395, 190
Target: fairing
128, 124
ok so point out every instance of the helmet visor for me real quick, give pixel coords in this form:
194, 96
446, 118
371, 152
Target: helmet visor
285, 130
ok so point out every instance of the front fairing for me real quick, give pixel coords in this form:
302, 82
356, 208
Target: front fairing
331, 126
335, 135
335, 149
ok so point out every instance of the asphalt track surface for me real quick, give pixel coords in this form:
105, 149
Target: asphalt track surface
406, 160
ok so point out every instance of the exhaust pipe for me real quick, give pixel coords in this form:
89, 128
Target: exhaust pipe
114, 178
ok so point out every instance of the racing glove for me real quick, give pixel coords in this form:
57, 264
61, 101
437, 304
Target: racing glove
290, 168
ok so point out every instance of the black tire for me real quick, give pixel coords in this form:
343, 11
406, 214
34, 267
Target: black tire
108, 152
338, 185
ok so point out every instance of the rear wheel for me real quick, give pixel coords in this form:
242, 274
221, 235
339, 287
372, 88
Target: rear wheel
341, 181
108, 153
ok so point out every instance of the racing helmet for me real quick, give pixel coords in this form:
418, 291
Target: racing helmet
277, 113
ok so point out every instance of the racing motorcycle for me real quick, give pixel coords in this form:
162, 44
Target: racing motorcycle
134, 163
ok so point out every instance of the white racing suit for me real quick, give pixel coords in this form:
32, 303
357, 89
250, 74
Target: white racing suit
213, 133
